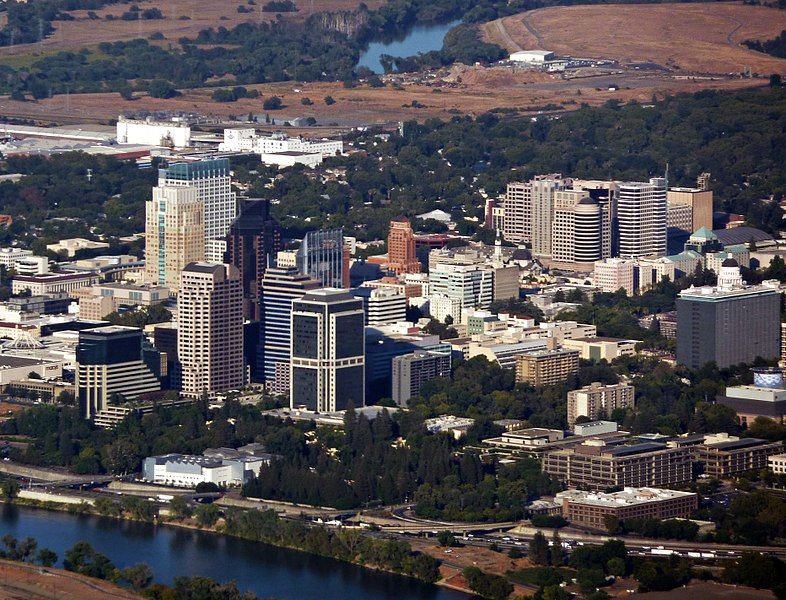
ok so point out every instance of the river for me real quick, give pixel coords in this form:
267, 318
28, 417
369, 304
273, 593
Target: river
421, 38
172, 551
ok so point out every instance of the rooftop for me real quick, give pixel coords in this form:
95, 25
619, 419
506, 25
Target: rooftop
628, 497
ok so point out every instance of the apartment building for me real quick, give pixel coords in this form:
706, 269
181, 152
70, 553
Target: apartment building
598, 401
546, 367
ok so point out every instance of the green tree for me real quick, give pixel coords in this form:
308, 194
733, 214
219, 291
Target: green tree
160, 88
46, 557
539, 549
137, 576
207, 514
9, 489
180, 508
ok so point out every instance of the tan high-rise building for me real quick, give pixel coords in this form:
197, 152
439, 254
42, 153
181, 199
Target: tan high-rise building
401, 248
697, 201
581, 228
174, 234
546, 367
598, 401
210, 329
517, 211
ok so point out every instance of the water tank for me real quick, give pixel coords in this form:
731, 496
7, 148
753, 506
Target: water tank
768, 378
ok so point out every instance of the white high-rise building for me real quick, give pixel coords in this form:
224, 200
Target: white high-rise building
517, 213
543, 190
210, 329
641, 218
213, 182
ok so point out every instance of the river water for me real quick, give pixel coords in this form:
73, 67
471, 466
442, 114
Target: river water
421, 38
172, 551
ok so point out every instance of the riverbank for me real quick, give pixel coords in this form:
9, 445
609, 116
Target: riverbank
367, 546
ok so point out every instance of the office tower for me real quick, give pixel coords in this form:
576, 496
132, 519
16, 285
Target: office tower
546, 367
517, 213
411, 371
253, 243
641, 218
174, 234
327, 371
115, 365
321, 256
213, 181
728, 324
280, 286
703, 181
693, 203
210, 329
382, 305
598, 401
401, 248
612, 274
472, 285
581, 228
543, 190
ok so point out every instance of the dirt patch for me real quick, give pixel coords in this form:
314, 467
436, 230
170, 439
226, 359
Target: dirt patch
709, 591
26, 582
698, 37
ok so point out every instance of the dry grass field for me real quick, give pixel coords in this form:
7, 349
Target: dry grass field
200, 14
20, 581
698, 38
480, 91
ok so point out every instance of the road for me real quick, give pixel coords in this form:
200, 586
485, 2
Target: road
509, 42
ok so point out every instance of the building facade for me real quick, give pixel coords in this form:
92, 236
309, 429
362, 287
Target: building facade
641, 218
321, 257
613, 274
598, 401
210, 329
729, 325
114, 365
213, 182
280, 286
590, 509
252, 245
594, 465
174, 233
327, 370
401, 248
411, 371
546, 367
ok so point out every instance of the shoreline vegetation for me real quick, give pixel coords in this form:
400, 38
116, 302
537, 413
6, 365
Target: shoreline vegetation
347, 545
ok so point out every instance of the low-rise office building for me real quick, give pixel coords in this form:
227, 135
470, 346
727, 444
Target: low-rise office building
590, 509
597, 466
722, 455
52, 283
602, 348
777, 463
